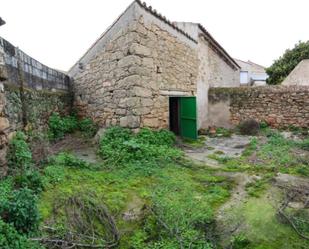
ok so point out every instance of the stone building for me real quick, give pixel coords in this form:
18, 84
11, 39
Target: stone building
252, 74
145, 71
299, 75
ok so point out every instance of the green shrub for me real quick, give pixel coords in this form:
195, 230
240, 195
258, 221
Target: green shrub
6, 187
304, 144
11, 239
20, 209
161, 137
240, 241
53, 174
264, 125
30, 179
88, 127
119, 146
302, 170
59, 126
68, 160
282, 67
222, 132
19, 155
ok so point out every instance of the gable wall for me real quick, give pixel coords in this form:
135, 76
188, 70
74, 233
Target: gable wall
213, 72
129, 80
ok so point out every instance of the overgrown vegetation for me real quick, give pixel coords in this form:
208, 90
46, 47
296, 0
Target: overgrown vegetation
143, 193
156, 199
18, 200
19, 155
278, 154
282, 67
59, 126
11, 239
147, 149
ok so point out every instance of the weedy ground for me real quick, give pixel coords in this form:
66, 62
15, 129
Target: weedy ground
143, 191
159, 199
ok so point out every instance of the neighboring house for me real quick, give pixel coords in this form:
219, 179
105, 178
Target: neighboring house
299, 75
252, 74
146, 71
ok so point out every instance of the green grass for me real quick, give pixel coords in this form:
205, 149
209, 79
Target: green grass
175, 199
264, 229
195, 143
277, 154
260, 228
183, 197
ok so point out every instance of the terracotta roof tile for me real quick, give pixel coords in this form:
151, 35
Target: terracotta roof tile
219, 49
164, 19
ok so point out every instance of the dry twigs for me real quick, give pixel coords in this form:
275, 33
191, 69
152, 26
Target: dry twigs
294, 194
89, 225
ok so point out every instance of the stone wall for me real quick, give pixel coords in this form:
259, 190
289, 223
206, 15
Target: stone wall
29, 93
279, 106
130, 79
213, 72
35, 74
38, 106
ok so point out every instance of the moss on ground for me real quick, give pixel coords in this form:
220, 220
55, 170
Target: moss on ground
150, 200
265, 231
182, 196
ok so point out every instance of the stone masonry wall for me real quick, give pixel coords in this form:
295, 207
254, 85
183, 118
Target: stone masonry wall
279, 106
126, 84
35, 74
29, 93
213, 72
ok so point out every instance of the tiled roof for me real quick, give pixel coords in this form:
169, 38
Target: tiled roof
163, 18
218, 48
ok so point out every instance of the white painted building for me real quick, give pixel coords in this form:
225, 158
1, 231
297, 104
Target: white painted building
252, 74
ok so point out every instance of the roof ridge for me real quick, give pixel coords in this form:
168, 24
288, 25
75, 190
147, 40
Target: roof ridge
163, 18
256, 64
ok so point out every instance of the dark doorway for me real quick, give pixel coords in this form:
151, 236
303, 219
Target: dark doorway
174, 115
183, 116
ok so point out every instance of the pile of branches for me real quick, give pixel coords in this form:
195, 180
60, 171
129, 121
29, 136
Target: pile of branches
88, 225
298, 194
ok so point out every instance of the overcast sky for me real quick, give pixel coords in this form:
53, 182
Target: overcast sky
58, 32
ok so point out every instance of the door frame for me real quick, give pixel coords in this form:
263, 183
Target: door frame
179, 117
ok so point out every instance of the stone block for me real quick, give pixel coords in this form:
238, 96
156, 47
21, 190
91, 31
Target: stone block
151, 122
129, 61
4, 123
129, 102
140, 50
142, 92
146, 102
130, 121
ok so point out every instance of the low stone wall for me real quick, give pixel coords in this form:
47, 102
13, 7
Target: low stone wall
38, 106
279, 106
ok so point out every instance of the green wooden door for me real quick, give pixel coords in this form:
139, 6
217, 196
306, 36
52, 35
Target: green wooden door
188, 117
